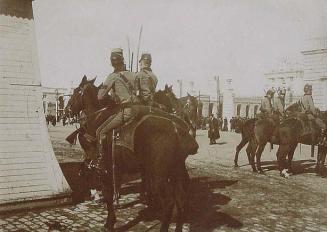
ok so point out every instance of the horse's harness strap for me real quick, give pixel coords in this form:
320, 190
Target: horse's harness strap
94, 113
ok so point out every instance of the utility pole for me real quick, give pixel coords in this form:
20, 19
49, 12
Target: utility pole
57, 108
180, 82
218, 93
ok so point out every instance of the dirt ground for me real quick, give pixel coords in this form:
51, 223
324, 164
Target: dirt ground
222, 198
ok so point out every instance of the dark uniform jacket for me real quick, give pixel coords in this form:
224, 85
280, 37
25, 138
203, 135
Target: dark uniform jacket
213, 132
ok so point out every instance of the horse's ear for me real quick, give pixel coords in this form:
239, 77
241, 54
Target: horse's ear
93, 80
166, 87
170, 88
188, 95
84, 80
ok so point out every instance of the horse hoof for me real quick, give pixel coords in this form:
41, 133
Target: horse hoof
284, 174
236, 165
260, 172
254, 170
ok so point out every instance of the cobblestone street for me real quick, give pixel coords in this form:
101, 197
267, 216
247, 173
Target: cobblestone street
223, 198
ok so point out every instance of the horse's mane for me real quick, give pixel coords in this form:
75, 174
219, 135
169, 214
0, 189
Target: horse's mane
295, 107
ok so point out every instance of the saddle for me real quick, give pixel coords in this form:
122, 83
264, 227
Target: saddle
126, 133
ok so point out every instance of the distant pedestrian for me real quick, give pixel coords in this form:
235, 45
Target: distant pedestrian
225, 128
213, 132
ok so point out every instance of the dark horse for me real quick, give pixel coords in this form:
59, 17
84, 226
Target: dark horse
160, 149
246, 128
258, 132
185, 107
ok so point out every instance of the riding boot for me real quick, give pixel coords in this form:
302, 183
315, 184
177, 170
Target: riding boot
99, 163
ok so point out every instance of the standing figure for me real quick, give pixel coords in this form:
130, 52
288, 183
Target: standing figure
225, 128
213, 132
146, 81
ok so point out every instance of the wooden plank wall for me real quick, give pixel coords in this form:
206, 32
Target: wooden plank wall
28, 167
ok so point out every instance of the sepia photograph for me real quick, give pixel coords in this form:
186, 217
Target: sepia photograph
167, 115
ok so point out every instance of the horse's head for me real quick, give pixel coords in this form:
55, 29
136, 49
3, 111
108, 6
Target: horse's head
162, 98
168, 91
83, 97
239, 122
293, 108
193, 104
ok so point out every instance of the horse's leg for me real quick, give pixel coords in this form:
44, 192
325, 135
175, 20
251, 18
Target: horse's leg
290, 157
181, 190
250, 151
163, 189
319, 156
258, 154
323, 159
239, 147
281, 159
108, 195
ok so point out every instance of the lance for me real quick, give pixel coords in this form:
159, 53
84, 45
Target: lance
138, 50
129, 55
132, 61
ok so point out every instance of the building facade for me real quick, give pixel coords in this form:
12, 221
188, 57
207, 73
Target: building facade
315, 69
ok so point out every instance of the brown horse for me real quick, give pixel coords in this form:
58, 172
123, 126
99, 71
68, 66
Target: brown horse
246, 128
290, 132
160, 156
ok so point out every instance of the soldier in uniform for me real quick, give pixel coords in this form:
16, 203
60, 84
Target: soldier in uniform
279, 103
146, 81
266, 104
308, 107
119, 85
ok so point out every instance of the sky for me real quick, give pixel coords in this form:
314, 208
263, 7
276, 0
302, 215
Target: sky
192, 40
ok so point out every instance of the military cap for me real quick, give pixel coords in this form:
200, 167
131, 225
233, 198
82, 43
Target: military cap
307, 87
146, 56
270, 92
281, 91
116, 53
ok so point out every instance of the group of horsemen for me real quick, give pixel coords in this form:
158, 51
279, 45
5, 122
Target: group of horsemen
275, 107
124, 88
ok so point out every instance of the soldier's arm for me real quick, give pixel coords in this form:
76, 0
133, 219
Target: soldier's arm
263, 107
312, 106
155, 81
106, 87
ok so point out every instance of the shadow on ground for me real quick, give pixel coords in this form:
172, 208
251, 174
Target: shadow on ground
204, 209
205, 204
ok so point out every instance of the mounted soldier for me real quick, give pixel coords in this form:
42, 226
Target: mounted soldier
309, 109
266, 107
119, 86
279, 103
146, 81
